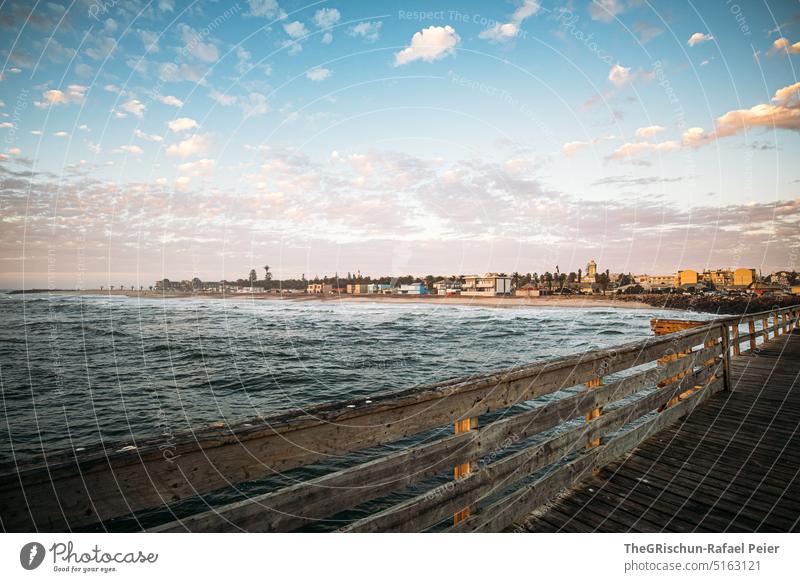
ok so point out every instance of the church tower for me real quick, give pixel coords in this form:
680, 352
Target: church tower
591, 271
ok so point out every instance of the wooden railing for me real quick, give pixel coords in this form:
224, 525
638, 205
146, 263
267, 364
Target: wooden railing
551, 425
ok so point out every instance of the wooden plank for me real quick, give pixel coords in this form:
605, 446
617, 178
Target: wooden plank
464, 469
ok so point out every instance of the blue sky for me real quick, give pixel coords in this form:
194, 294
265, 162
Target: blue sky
143, 139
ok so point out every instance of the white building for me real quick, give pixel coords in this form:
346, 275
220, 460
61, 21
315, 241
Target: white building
490, 284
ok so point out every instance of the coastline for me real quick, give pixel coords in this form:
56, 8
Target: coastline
501, 302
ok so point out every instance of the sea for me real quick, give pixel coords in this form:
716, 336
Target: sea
77, 370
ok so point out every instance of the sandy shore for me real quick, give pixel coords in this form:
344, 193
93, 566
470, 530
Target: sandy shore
583, 301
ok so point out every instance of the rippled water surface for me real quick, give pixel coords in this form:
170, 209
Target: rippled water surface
76, 370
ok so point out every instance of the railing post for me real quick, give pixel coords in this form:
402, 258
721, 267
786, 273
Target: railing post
726, 358
751, 327
594, 383
776, 324
463, 469
737, 347
764, 325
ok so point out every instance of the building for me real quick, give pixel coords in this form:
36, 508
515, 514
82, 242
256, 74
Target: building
591, 273
413, 289
655, 282
529, 290
444, 287
357, 288
490, 284
686, 277
719, 277
795, 290
744, 277
766, 289
319, 288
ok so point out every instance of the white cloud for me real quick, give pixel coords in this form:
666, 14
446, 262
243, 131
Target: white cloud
295, 29
198, 168
75, 94
318, 74
699, 37
170, 100
605, 10
502, 32
196, 145
134, 107
222, 98
649, 131
61, 134
182, 124
183, 72
149, 40
635, 149
130, 149
326, 17
369, 31
6, 125
194, 45
265, 8
146, 136
14, 151
571, 148
619, 75
429, 44
254, 104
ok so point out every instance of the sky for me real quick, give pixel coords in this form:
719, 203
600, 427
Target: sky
147, 139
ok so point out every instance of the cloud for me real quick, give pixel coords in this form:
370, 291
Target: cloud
619, 75
199, 168
369, 31
146, 136
254, 104
318, 74
429, 44
182, 124
699, 37
635, 149
782, 45
170, 100
265, 8
61, 134
605, 10
783, 112
326, 17
295, 29
130, 149
196, 145
222, 98
183, 72
649, 131
194, 45
502, 32
75, 94
134, 107
149, 40
571, 148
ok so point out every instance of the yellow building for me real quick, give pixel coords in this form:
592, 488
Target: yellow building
686, 277
744, 276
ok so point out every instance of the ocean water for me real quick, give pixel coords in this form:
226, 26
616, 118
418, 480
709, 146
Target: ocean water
77, 370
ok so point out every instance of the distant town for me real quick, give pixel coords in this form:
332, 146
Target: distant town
727, 281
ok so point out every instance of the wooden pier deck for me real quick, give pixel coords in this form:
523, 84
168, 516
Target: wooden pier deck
732, 465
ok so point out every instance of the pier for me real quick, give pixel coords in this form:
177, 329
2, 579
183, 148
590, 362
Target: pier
692, 429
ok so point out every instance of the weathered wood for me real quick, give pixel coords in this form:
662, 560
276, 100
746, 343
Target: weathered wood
751, 325
431, 507
732, 465
505, 511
